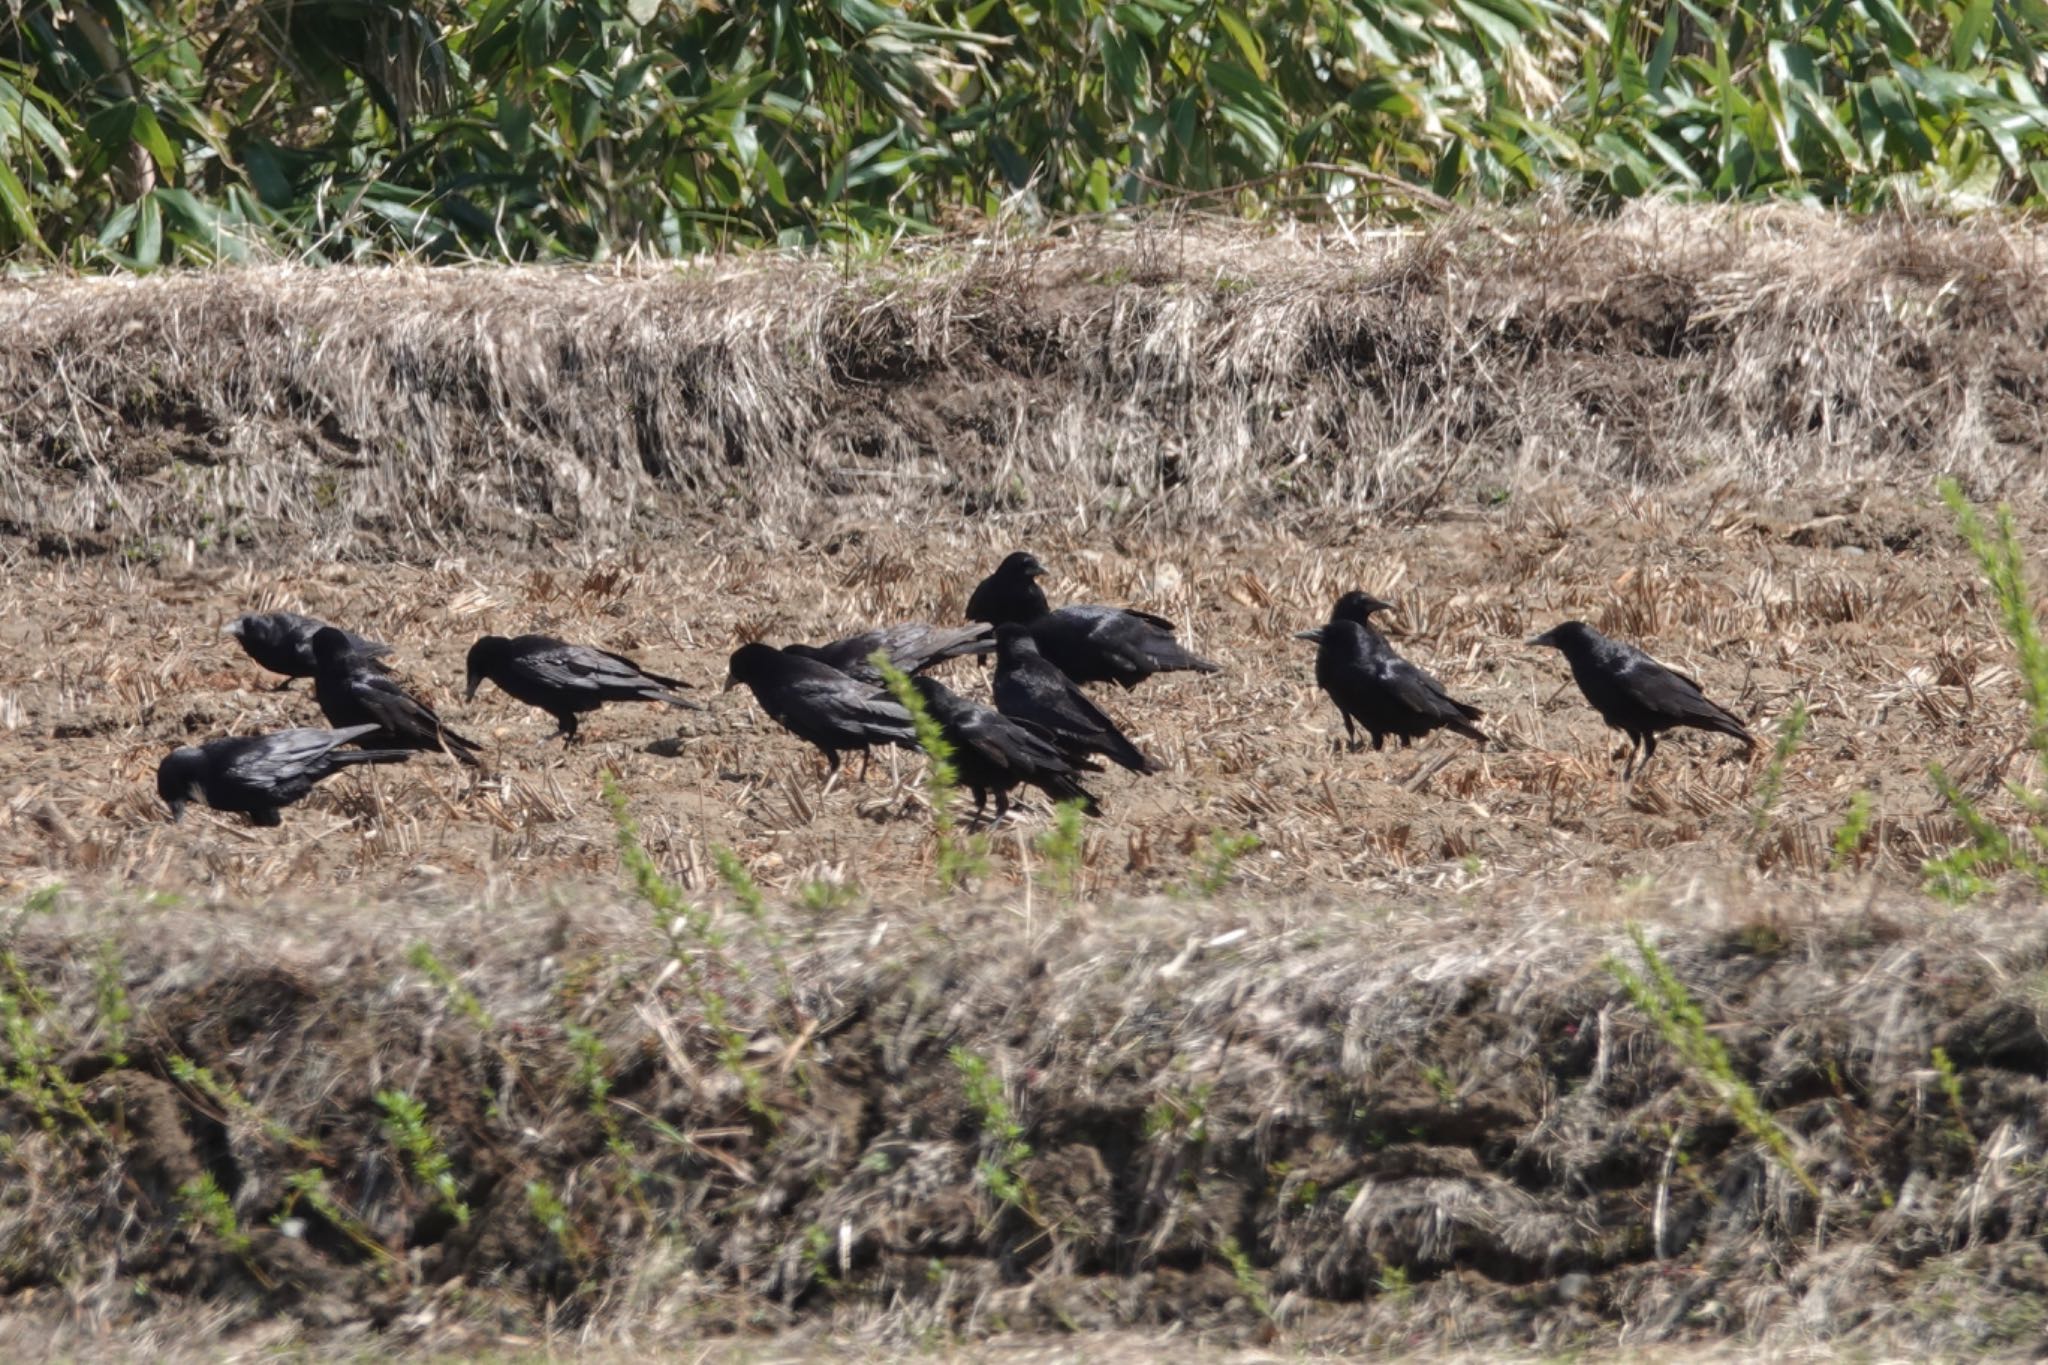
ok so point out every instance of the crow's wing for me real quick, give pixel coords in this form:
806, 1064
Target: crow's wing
578, 668
845, 704
287, 755
1416, 691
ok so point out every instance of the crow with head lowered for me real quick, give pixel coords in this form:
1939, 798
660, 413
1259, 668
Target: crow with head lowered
818, 704
282, 641
350, 693
995, 753
1374, 687
912, 647
1635, 694
1088, 644
1028, 688
566, 680
259, 775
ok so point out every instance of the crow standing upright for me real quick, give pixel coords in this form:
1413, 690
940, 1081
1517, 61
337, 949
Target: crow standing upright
996, 753
350, 694
1088, 644
912, 647
819, 704
282, 641
1029, 688
1375, 687
1635, 694
259, 775
566, 680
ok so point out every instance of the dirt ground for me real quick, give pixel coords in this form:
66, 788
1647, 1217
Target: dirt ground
1864, 606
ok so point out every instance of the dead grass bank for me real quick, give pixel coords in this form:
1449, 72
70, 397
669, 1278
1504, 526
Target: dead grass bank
1161, 376
1318, 1126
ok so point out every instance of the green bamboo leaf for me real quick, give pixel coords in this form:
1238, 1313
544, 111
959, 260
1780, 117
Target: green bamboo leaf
1969, 31
19, 211
1247, 41
149, 231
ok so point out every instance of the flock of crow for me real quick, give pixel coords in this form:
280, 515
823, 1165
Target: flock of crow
1042, 731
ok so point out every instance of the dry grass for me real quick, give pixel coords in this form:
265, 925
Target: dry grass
1383, 1073
1163, 376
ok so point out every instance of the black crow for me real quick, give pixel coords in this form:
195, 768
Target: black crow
1088, 644
1634, 693
282, 641
349, 694
912, 647
818, 703
995, 753
262, 773
1029, 688
565, 680
1378, 689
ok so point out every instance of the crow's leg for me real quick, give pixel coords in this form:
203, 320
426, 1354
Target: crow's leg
1002, 807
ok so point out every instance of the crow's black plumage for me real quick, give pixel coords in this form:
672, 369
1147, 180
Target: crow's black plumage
995, 753
259, 775
1376, 688
912, 647
350, 694
282, 641
1088, 644
566, 680
817, 703
1029, 688
1635, 694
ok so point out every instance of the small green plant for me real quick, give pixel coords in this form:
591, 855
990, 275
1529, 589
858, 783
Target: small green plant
110, 999
1219, 861
692, 941
1952, 1087
957, 859
423, 959
234, 1103
204, 1205
746, 892
405, 1123
1771, 785
819, 1246
1440, 1081
1182, 1113
311, 1186
1247, 1276
821, 895
1393, 1283
1964, 871
552, 1214
1660, 995
1002, 1135
1850, 834
44, 900
1062, 846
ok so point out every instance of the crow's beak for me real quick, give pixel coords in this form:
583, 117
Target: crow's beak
730, 683
177, 811
474, 684
1544, 639
233, 628
1315, 636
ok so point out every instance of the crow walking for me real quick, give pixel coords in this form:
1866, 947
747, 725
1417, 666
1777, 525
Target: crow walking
1088, 644
1375, 687
1029, 688
819, 704
257, 776
995, 753
282, 641
911, 647
566, 680
351, 694
1635, 694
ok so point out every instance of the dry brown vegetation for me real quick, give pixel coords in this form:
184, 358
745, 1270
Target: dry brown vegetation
1376, 1090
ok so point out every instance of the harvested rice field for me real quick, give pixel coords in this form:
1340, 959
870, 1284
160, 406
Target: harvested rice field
1294, 1051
